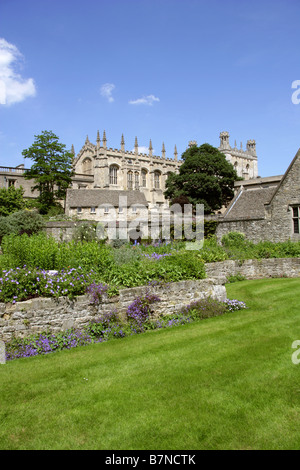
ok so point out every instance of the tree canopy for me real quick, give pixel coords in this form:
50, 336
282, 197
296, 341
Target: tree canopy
52, 169
205, 177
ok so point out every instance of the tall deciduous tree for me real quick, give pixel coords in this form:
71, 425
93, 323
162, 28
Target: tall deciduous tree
205, 177
52, 169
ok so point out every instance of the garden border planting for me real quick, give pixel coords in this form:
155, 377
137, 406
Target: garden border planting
58, 314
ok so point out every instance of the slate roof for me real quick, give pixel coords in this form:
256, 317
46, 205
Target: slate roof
96, 197
249, 204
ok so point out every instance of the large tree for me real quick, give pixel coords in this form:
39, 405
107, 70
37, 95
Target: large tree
205, 177
52, 169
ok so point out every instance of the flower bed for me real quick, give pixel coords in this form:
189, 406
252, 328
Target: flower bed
109, 326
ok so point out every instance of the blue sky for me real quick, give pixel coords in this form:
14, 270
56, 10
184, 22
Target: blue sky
168, 70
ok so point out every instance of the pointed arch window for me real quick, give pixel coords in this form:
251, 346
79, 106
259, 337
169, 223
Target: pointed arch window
87, 166
113, 174
144, 179
130, 179
156, 179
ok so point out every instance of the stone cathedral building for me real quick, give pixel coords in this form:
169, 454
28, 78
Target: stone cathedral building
140, 176
103, 174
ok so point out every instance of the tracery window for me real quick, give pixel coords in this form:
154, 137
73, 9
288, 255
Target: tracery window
144, 179
113, 174
129, 179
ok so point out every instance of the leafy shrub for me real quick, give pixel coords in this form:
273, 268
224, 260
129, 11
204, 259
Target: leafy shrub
237, 277
20, 222
212, 251
233, 239
205, 308
84, 232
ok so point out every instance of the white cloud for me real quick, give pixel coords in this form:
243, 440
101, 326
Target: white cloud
106, 91
13, 87
143, 149
147, 100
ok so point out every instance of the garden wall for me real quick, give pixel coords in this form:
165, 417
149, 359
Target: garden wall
40, 314
255, 268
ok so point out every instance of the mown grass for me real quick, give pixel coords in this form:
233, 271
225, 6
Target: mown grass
222, 383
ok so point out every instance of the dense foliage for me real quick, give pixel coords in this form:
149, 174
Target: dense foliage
11, 200
51, 169
27, 260
17, 223
205, 177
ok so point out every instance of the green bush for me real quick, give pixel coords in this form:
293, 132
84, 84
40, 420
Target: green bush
233, 239
29, 222
84, 231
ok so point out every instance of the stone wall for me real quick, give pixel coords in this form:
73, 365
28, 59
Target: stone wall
255, 268
255, 230
61, 231
24, 318
40, 314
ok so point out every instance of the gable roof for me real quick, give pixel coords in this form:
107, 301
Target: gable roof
249, 204
97, 197
285, 175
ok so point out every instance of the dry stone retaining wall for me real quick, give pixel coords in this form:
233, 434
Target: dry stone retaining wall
36, 315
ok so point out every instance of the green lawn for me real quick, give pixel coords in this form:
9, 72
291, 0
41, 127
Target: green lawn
223, 383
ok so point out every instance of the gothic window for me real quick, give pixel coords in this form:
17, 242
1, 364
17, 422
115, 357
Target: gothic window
87, 166
113, 174
129, 179
296, 219
136, 180
144, 179
156, 179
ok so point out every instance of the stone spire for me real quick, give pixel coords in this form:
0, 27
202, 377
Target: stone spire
136, 147
150, 148
175, 153
73, 150
104, 139
98, 140
122, 143
163, 151
87, 140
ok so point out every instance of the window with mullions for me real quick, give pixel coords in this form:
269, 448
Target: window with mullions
129, 179
113, 174
144, 178
156, 179
296, 219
